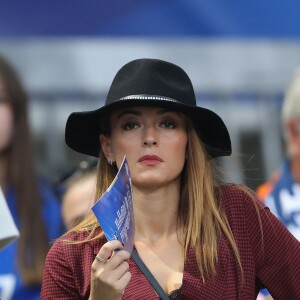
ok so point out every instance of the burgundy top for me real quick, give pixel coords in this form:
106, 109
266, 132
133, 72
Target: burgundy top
271, 260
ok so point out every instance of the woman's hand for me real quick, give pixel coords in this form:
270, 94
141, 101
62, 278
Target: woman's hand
110, 275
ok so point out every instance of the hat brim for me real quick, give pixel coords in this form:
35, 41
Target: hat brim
83, 128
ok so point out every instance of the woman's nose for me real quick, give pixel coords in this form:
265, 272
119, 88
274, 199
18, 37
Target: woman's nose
149, 142
150, 138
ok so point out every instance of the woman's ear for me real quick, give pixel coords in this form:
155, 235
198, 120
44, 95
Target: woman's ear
105, 145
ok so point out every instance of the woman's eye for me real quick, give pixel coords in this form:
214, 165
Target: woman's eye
168, 124
130, 125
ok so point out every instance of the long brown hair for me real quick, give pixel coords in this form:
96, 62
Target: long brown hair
198, 212
20, 175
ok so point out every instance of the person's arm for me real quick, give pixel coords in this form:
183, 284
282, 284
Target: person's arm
73, 272
58, 281
276, 252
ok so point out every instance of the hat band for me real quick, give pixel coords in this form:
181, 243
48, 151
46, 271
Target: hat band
148, 97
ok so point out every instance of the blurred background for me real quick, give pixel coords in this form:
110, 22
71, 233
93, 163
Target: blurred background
240, 56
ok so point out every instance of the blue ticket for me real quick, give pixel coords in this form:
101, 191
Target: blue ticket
114, 209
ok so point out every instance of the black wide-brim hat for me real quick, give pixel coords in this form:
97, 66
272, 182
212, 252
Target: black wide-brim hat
149, 82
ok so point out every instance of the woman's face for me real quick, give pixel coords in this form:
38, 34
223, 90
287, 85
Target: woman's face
6, 119
154, 141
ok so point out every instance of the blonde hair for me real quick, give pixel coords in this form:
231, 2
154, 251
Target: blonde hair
105, 175
198, 209
198, 212
291, 103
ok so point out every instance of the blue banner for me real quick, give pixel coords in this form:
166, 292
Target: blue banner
157, 18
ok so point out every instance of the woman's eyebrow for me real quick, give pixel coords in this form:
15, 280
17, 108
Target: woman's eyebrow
165, 111
128, 112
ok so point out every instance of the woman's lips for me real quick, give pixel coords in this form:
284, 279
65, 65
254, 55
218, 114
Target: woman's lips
150, 159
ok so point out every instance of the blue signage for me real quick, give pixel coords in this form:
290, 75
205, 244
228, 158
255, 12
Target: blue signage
114, 209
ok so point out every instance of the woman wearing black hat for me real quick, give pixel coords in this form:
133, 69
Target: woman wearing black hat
199, 238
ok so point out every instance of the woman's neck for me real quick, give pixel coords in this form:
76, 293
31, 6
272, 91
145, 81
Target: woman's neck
156, 213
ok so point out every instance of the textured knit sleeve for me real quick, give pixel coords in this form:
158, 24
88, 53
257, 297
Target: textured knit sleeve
58, 281
276, 251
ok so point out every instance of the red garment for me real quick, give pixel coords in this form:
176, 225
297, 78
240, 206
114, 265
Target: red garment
275, 266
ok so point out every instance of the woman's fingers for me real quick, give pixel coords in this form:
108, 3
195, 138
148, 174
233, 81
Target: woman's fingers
120, 270
117, 258
110, 271
107, 249
123, 281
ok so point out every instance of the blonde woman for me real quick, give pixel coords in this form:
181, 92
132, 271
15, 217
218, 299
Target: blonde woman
200, 239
